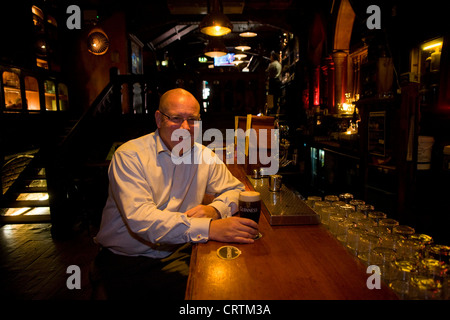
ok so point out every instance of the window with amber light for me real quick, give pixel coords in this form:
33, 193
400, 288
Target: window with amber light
42, 63
38, 18
11, 88
50, 95
32, 93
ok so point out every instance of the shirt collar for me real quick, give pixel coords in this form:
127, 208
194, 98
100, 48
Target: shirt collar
160, 146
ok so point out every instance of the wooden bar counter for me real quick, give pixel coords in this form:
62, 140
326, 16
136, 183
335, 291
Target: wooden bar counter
298, 262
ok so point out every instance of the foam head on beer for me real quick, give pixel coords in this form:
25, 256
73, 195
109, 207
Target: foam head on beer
249, 196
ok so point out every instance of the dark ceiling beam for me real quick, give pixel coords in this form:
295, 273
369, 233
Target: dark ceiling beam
172, 35
183, 7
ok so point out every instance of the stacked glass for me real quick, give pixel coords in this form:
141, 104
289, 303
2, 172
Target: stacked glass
346, 209
353, 236
326, 213
404, 270
356, 203
376, 216
331, 198
334, 223
412, 266
384, 258
346, 197
318, 208
430, 282
365, 208
359, 226
311, 200
388, 223
367, 242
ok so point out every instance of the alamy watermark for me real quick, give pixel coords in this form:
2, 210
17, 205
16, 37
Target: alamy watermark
74, 280
73, 22
251, 147
374, 20
374, 281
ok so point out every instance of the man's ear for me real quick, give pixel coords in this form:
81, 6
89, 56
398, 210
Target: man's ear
158, 118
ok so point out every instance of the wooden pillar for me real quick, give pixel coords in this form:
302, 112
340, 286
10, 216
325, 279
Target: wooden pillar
327, 84
340, 71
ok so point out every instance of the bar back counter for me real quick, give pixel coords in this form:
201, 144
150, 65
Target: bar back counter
289, 262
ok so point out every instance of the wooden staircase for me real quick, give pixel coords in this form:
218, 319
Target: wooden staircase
24, 192
67, 175
24, 197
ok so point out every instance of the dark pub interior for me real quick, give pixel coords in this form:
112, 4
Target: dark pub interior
352, 96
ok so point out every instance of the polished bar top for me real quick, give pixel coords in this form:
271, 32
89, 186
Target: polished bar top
295, 262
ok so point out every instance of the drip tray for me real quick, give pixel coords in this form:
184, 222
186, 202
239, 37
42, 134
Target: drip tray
284, 207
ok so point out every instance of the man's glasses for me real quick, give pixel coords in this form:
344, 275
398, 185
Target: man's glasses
180, 120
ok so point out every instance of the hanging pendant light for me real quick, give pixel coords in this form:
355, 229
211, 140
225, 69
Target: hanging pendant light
216, 23
242, 47
240, 56
215, 48
248, 34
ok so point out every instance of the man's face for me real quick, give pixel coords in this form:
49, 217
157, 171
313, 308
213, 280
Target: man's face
177, 112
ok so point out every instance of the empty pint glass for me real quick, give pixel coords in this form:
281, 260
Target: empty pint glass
250, 205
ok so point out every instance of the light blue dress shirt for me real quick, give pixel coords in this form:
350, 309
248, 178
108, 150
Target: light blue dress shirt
149, 193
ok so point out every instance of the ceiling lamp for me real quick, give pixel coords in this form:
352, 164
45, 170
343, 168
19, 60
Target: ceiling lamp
242, 48
215, 48
240, 56
216, 24
248, 34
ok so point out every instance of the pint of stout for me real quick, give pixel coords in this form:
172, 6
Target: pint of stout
250, 205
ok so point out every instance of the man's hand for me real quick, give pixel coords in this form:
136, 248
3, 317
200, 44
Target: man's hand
202, 211
233, 229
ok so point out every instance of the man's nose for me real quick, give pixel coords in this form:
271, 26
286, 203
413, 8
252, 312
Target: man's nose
185, 125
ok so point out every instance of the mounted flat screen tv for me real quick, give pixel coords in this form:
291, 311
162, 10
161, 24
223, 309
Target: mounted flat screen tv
226, 60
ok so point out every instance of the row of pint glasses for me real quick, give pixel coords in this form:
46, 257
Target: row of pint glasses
410, 263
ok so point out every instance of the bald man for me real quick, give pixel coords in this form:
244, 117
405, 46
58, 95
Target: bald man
154, 209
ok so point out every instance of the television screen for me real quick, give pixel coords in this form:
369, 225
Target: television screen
226, 60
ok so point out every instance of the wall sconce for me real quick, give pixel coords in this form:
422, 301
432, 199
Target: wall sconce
216, 23
97, 42
215, 48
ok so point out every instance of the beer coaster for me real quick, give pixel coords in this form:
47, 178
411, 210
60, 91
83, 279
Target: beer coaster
228, 252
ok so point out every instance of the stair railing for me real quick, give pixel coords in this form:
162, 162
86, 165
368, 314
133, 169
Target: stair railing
124, 95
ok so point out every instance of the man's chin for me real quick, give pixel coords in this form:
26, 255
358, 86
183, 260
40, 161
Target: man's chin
182, 146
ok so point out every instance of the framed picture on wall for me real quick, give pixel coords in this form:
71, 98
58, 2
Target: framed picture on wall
136, 55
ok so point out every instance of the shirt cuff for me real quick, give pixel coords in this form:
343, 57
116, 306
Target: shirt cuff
199, 230
223, 209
